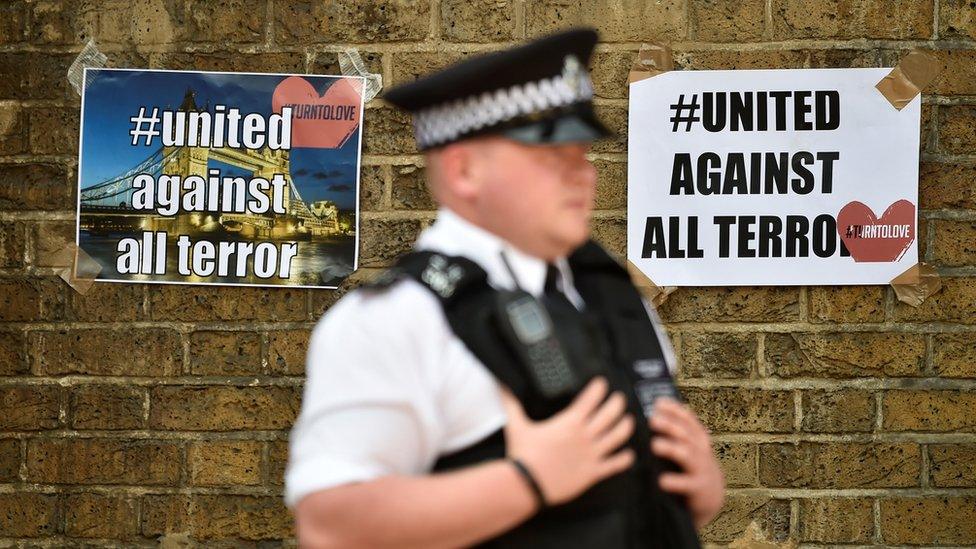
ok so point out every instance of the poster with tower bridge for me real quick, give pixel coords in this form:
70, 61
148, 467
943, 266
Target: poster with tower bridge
220, 178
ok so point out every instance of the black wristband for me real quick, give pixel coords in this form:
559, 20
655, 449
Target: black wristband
530, 480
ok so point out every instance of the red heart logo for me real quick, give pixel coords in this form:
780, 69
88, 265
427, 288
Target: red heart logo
870, 239
320, 122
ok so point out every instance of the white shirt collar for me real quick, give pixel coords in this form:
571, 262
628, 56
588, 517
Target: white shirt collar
451, 234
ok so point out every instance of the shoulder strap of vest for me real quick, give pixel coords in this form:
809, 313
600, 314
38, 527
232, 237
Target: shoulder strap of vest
447, 277
601, 280
468, 301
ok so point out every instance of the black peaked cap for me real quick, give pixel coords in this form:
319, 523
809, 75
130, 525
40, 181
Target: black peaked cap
522, 68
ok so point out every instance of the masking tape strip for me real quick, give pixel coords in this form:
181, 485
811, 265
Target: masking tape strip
915, 71
351, 64
652, 60
916, 284
74, 266
651, 291
89, 57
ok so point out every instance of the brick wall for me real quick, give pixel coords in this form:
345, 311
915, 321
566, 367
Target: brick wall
136, 413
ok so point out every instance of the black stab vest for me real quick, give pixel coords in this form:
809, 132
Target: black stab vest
627, 510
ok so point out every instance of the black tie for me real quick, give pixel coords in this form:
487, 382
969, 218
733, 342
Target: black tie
551, 292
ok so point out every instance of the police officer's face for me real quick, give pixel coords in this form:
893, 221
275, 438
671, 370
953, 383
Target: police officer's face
539, 197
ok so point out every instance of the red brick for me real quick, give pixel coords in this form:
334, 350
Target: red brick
718, 355
388, 131
839, 465
31, 299
836, 520
54, 130
13, 22
197, 303
728, 20
846, 304
100, 516
932, 410
103, 461
771, 515
220, 408
952, 465
13, 241
957, 129
847, 354
955, 302
13, 126
726, 409
383, 240
837, 411
108, 406
9, 460
36, 186
280, 62
629, 21
957, 19
30, 407
26, 514
732, 304
306, 21
928, 520
140, 352
230, 21
611, 185
955, 242
410, 190
108, 303
277, 462
13, 354
738, 462
225, 353
478, 20
286, 351
954, 355
245, 517
225, 463
946, 186
844, 19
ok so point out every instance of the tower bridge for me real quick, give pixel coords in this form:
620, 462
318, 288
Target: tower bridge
107, 205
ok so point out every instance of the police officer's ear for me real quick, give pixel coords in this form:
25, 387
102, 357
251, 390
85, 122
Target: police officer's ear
455, 171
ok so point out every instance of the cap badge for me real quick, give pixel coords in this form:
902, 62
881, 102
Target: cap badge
572, 72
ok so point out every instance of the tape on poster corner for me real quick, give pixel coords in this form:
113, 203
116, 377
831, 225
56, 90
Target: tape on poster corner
351, 64
916, 284
651, 291
915, 71
652, 59
75, 267
89, 57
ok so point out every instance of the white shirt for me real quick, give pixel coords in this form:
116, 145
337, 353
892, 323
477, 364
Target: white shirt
389, 387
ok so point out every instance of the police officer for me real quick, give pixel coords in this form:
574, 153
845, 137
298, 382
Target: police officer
504, 385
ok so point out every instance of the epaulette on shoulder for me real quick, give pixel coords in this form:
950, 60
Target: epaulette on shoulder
442, 274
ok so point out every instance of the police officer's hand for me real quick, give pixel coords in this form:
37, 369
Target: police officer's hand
684, 440
574, 449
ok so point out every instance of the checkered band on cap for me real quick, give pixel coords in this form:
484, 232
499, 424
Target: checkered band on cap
446, 122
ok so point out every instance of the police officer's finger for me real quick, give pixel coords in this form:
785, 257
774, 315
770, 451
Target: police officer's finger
607, 414
614, 464
616, 436
680, 453
666, 420
677, 483
589, 398
667, 425
683, 415
513, 408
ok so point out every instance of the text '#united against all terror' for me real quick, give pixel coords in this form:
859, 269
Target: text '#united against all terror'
751, 173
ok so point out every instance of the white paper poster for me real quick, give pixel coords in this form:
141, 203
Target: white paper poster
771, 177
